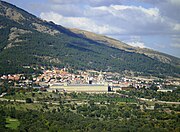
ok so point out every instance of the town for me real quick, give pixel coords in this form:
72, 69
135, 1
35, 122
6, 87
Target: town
68, 80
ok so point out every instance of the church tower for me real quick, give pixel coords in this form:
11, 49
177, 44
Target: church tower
100, 78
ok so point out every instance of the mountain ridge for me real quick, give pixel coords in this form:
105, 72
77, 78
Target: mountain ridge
28, 40
166, 58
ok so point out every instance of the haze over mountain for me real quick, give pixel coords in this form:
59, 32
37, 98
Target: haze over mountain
26, 40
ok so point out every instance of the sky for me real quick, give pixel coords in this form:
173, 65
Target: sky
153, 24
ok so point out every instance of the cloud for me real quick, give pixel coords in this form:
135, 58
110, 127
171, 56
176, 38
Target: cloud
78, 22
135, 41
175, 41
138, 20
168, 8
175, 45
137, 44
119, 18
171, 9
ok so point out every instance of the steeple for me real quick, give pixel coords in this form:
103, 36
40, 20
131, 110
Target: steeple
101, 78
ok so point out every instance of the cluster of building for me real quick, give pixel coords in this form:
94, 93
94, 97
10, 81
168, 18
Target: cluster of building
15, 77
81, 81
59, 80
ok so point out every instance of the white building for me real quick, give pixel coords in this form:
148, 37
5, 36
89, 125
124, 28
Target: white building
165, 90
79, 87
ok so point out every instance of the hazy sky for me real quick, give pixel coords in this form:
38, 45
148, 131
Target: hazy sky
153, 24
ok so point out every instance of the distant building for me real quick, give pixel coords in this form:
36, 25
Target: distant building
79, 87
165, 90
150, 108
3, 94
101, 78
116, 88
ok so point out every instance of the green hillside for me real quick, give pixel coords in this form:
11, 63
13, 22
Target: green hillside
26, 40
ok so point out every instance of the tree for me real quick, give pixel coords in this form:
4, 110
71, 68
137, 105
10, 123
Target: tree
91, 102
29, 100
33, 94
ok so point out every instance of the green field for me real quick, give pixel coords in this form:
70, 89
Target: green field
12, 123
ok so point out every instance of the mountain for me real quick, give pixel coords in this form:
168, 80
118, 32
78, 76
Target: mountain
27, 42
165, 58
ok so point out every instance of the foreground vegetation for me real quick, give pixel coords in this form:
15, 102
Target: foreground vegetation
87, 112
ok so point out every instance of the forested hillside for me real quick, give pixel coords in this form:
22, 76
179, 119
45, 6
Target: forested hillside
26, 40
